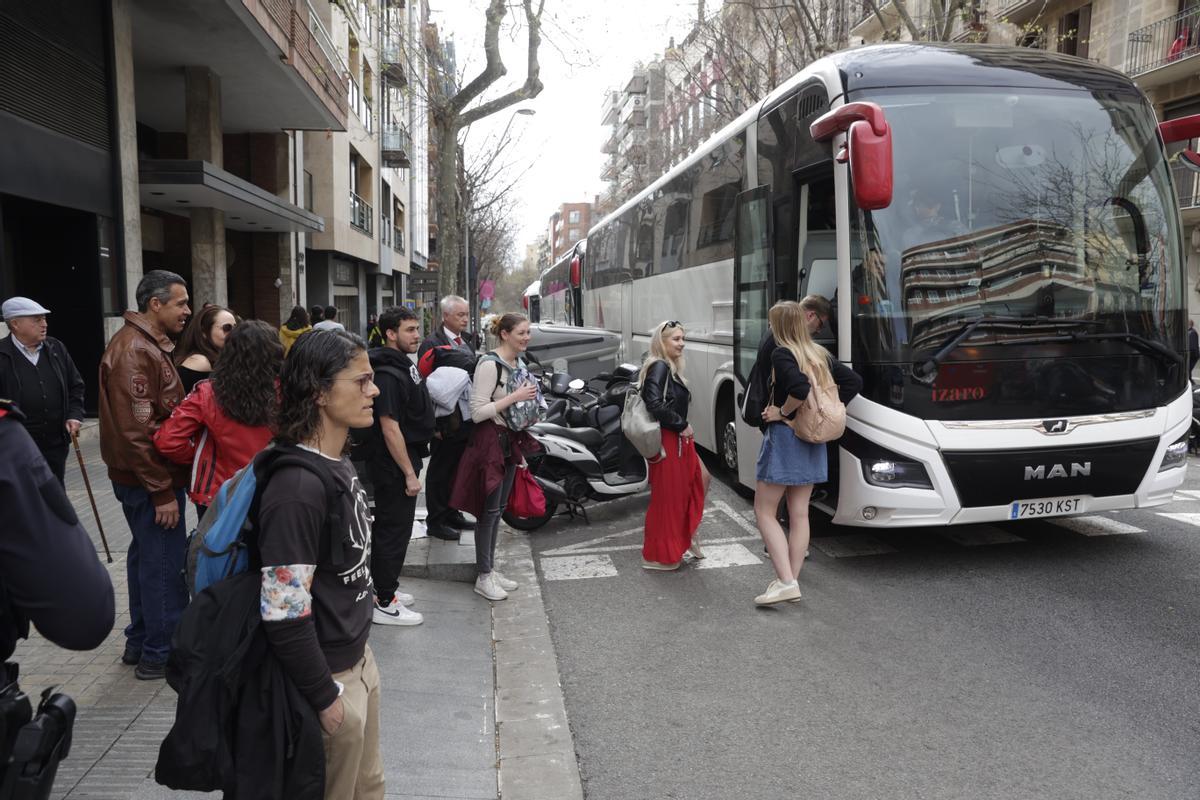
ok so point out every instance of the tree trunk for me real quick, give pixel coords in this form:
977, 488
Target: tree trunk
449, 252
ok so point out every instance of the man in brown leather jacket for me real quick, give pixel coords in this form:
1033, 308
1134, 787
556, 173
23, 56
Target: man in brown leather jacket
139, 388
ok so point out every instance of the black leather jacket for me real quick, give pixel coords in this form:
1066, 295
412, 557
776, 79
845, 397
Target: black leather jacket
666, 398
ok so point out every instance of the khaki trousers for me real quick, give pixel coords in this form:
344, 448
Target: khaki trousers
353, 766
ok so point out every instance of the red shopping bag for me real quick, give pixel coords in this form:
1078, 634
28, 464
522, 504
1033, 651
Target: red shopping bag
527, 498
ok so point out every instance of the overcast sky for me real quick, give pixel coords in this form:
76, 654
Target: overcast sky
588, 46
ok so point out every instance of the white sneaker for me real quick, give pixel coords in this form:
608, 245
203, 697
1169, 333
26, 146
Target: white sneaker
505, 584
487, 586
395, 614
778, 592
403, 598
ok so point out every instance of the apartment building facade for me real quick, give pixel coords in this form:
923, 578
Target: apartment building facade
370, 182
568, 225
634, 143
142, 135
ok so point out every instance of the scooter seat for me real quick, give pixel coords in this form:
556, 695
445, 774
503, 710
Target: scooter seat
588, 437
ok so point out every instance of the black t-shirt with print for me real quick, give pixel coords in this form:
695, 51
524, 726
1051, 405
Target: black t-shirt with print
322, 628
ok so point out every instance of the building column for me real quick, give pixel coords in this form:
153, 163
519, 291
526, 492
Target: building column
127, 157
203, 103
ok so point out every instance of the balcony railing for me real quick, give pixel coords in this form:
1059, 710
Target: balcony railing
392, 53
325, 42
1164, 42
398, 239
385, 232
1187, 184
361, 213
396, 146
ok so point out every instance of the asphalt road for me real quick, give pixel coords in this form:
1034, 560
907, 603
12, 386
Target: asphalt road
1028, 660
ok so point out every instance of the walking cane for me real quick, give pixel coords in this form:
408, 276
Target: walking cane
91, 497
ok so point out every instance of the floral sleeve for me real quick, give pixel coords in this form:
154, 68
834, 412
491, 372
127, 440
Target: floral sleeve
286, 592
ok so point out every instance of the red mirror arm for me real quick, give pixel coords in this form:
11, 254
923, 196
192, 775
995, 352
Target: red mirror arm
840, 119
1178, 130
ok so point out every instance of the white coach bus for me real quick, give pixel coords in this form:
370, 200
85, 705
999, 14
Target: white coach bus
998, 232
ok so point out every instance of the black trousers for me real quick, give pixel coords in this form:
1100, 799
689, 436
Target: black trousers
56, 457
439, 483
392, 528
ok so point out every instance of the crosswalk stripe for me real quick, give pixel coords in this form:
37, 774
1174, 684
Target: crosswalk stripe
851, 546
1190, 494
979, 535
1186, 519
1096, 526
727, 555
566, 568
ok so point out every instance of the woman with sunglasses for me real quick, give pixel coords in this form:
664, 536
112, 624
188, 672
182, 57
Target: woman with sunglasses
787, 465
678, 481
226, 420
201, 343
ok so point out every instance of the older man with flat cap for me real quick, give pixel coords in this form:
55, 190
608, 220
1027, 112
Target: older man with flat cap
37, 373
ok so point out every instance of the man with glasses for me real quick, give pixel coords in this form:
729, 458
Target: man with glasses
37, 373
817, 312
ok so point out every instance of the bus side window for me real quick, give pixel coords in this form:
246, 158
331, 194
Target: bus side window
819, 263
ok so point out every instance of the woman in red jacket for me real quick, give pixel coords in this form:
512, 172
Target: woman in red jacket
220, 426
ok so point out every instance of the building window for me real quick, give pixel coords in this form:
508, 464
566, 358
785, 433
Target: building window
573, 234
1074, 31
573, 217
308, 190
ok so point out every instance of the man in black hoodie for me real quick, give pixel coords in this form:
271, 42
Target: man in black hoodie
404, 425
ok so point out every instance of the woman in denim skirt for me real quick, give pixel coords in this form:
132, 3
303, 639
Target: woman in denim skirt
788, 466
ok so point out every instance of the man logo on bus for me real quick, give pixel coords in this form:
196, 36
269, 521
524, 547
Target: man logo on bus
1055, 426
1040, 473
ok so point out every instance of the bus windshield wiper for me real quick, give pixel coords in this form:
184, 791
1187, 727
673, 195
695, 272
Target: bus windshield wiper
1148, 346
926, 370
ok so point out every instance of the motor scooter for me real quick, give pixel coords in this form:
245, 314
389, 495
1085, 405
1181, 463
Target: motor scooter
584, 455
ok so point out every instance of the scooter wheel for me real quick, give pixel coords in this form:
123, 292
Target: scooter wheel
529, 523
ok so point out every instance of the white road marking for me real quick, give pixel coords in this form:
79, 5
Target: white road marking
726, 555
567, 568
851, 546
1188, 494
978, 535
1096, 526
1187, 519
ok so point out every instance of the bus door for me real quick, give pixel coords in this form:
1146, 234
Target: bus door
753, 281
817, 271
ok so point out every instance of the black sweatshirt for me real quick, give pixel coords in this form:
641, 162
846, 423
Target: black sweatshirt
316, 614
48, 565
790, 380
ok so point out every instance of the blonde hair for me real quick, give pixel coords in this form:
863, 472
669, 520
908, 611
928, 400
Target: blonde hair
786, 319
658, 351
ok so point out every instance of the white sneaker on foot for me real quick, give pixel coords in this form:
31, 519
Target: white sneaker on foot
505, 583
395, 614
778, 592
486, 586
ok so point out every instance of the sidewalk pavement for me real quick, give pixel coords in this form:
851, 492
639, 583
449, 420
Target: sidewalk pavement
472, 707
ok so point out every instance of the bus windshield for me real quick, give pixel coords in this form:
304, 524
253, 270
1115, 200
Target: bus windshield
1019, 217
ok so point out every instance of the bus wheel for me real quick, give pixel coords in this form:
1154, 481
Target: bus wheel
729, 451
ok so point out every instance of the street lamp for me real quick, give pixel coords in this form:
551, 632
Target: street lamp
472, 289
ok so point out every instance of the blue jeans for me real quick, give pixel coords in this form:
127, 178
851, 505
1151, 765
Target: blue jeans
157, 594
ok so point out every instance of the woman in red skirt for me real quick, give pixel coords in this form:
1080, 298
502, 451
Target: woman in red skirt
678, 481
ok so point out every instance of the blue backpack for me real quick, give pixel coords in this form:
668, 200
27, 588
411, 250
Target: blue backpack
225, 541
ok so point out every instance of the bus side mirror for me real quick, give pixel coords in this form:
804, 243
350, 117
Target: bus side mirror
1183, 129
870, 157
868, 149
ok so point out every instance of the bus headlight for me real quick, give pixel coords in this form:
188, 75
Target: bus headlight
1176, 455
894, 473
